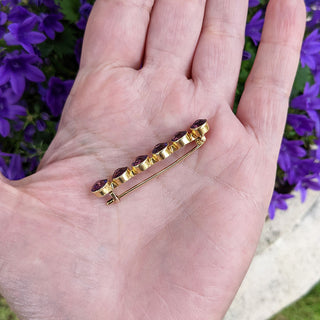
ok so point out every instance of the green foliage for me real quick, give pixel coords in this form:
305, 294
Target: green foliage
303, 75
65, 42
5, 312
307, 308
62, 45
70, 9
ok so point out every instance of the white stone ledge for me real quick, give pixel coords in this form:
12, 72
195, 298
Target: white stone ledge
286, 264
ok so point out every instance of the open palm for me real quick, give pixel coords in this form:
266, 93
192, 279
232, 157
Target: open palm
179, 247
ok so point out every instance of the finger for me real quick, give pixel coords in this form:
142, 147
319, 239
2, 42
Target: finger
173, 33
218, 56
116, 32
8, 200
264, 103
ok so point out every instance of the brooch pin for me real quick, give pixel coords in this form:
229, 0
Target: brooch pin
160, 152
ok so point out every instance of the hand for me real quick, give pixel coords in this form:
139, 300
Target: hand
179, 247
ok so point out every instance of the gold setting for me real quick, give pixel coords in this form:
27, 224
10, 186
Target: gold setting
107, 188
201, 130
124, 177
160, 152
143, 166
184, 140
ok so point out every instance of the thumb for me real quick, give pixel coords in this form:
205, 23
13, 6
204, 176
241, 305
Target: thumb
10, 224
10, 200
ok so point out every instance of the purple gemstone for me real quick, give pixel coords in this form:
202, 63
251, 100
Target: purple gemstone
159, 147
98, 185
119, 172
139, 160
198, 123
179, 135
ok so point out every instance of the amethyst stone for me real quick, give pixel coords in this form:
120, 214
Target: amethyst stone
159, 147
179, 135
98, 185
198, 123
119, 172
139, 160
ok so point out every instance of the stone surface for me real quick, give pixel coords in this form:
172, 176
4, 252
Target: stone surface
198, 123
160, 146
98, 185
178, 135
287, 268
285, 221
119, 172
139, 160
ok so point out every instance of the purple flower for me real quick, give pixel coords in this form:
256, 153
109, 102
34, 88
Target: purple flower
253, 3
33, 163
246, 55
45, 116
18, 125
41, 125
308, 182
316, 151
85, 10
290, 149
3, 20
16, 68
50, 24
48, 3
309, 102
315, 19
57, 94
22, 34
8, 110
77, 49
29, 132
9, 2
14, 171
308, 4
278, 201
316, 70
309, 99
300, 123
254, 27
18, 14
310, 50
300, 168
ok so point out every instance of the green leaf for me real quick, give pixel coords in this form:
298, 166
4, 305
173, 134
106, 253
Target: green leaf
64, 42
70, 9
303, 75
45, 48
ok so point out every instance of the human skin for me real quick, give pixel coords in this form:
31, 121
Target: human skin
179, 247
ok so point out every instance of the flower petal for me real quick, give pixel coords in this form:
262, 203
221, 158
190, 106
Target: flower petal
50, 33
3, 18
34, 74
18, 84
15, 171
10, 39
35, 37
4, 127
27, 46
4, 75
29, 23
15, 110
59, 27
